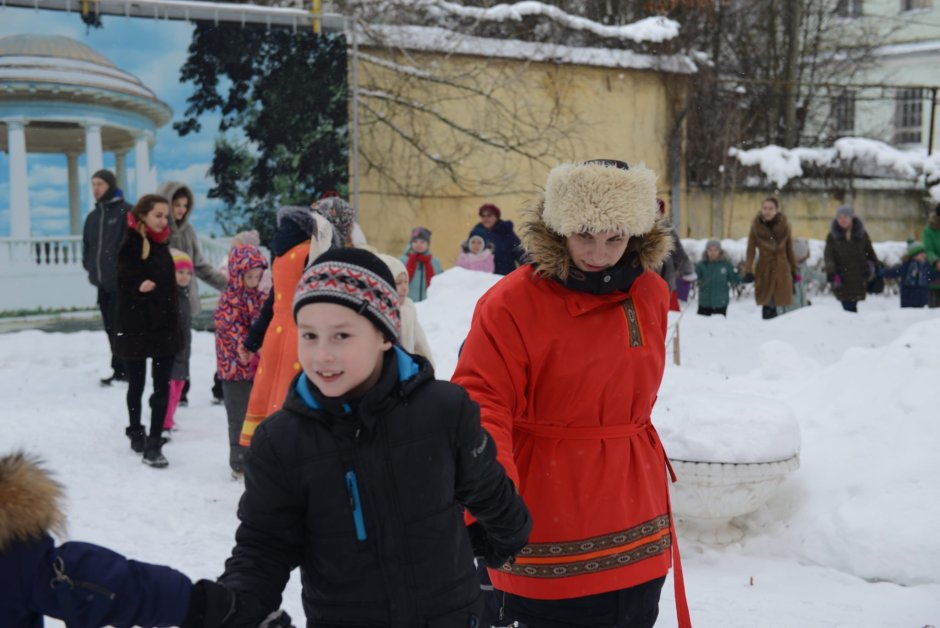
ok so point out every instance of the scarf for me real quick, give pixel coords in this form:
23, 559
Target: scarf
619, 277
412, 265
147, 234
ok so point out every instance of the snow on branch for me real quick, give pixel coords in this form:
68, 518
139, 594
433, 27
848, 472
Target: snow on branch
652, 29
782, 164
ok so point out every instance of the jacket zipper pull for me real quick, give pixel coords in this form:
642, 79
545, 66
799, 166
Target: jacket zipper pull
352, 489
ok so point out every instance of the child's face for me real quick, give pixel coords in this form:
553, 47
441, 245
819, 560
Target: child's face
252, 278
401, 284
340, 351
156, 218
183, 277
921, 257
712, 253
476, 245
419, 246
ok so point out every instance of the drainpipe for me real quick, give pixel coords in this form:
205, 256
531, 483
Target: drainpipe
933, 117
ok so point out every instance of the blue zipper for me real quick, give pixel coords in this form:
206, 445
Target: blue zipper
352, 489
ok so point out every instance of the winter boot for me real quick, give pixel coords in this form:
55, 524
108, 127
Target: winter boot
137, 436
153, 455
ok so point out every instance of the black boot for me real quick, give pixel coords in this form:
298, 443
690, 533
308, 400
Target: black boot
137, 436
768, 312
153, 455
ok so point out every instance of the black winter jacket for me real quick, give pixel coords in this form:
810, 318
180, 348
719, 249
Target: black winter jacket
852, 262
147, 323
101, 238
366, 503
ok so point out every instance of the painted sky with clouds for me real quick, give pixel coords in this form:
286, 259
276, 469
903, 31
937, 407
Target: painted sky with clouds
153, 51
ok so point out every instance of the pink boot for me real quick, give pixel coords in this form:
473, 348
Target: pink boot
176, 391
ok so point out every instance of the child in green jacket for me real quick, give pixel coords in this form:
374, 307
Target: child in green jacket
716, 274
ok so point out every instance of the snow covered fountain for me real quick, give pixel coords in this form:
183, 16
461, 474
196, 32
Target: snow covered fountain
730, 452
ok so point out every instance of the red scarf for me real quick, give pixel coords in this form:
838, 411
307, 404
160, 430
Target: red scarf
412, 265
156, 236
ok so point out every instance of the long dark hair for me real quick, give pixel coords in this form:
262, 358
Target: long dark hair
144, 206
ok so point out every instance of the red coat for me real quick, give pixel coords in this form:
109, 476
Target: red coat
566, 383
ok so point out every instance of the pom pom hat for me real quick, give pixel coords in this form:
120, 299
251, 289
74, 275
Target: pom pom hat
181, 261
356, 279
600, 195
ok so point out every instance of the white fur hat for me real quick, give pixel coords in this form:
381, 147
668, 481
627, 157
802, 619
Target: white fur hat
600, 195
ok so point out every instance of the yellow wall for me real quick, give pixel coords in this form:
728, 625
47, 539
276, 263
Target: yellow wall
581, 113
887, 214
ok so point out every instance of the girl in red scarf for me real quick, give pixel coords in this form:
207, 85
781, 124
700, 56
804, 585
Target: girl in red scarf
147, 321
421, 264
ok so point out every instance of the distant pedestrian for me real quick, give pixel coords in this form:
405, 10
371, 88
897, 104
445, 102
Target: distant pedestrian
914, 274
715, 274
421, 264
850, 258
183, 265
475, 255
801, 279
147, 324
931, 239
412, 339
101, 238
507, 249
775, 268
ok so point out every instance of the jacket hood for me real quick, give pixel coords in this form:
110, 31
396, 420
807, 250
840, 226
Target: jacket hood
548, 252
722, 256
243, 258
29, 500
168, 190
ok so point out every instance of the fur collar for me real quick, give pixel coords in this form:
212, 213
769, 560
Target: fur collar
858, 229
29, 500
547, 251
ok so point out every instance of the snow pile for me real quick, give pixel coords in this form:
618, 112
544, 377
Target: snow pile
782, 164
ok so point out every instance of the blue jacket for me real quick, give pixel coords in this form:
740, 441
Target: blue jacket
84, 585
915, 278
507, 249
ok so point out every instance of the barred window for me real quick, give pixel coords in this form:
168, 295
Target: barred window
843, 113
908, 116
910, 5
849, 8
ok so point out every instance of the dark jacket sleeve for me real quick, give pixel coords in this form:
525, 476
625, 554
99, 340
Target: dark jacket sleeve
483, 487
131, 269
90, 247
269, 542
260, 327
87, 586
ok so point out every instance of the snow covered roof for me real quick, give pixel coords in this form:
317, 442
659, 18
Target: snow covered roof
437, 39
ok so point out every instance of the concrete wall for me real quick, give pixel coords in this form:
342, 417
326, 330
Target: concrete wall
887, 214
576, 112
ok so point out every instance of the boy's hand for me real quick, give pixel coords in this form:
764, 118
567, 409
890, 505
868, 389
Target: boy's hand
147, 286
244, 355
483, 549
747, 278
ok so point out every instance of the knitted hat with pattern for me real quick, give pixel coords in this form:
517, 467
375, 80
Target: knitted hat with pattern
181, 261
356, 279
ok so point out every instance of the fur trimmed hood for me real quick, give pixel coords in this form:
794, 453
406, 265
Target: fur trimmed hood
29, 500
593, 197
857, 229
547, 249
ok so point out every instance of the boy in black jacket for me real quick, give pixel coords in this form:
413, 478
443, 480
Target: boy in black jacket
356, 479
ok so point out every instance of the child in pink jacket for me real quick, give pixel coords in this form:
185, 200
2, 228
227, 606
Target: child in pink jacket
475, 255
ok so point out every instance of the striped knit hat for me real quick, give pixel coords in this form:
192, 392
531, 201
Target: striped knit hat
357, 279
181, 261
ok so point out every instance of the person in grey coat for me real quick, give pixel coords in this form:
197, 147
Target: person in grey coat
101, 238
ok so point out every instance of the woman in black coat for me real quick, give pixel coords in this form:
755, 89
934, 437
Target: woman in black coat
147, 323
507, 249
850, 258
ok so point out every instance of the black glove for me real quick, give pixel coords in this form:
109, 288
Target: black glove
484, 550
830, 277
748, 278
213, 605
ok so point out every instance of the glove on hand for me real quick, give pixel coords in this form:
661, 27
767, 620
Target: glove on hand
277, 619
483, 549
213, 605
748, 278
797, 277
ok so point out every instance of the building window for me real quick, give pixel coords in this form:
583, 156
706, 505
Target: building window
843, 113
910, 5
908, 116
849, 8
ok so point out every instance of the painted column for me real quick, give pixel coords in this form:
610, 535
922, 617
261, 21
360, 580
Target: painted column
19, 184
94, 154
75, 212
142, 160
120, 169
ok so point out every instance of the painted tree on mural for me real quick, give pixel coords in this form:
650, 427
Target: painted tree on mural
283, 127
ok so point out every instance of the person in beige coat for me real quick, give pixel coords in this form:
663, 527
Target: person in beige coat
773, 275
413, 339
183, 237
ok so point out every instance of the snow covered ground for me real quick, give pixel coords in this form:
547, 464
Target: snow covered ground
849, 540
